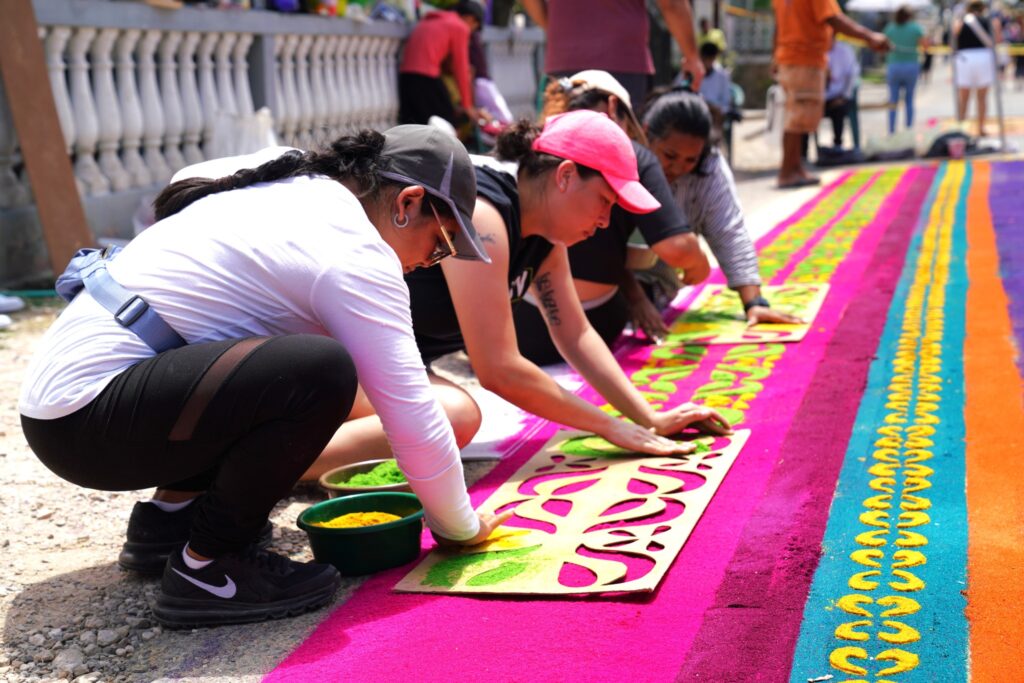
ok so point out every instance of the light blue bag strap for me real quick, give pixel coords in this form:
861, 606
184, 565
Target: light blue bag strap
129, 310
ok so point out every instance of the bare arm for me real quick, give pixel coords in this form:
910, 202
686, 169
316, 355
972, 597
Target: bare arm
587, 353
678, 15
683, 251
480, 294
847, 26
538, 11
578, 342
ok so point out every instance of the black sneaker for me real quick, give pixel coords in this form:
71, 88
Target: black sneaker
241, 587
153, 534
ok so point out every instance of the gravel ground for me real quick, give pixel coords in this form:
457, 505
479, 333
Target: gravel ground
67, 612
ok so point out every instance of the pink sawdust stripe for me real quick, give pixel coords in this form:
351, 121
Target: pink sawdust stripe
783, 273
380, 635
751, 627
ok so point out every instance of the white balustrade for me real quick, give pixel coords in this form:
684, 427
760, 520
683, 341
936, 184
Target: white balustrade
131, 109
333, 92
137, 101
87, 126
108, 111
207, 89
152, 111
391, 73
292, 108
346, 84
191, 110
223, 68
240, 66
56, 40
302, 80
318, 87
174, 117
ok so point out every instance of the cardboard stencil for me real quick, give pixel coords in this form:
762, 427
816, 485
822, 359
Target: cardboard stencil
716, 316
589, 518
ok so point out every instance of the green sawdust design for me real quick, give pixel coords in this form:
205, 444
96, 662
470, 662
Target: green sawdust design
448, 571
502, 572
589, 446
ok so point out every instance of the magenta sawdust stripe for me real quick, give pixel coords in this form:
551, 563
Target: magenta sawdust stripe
800, 254
378, 635
750, 630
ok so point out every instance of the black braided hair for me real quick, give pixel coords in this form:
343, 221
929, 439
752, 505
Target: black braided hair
515, 143
351, 157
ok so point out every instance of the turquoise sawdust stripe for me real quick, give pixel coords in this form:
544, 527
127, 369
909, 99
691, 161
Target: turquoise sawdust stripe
942, 650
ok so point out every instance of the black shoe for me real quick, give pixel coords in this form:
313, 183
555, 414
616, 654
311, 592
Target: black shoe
241, 587
153, 534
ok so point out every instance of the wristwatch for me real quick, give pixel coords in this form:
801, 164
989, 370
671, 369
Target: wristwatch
756, 301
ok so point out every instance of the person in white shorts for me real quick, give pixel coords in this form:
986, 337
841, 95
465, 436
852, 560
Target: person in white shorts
976, 37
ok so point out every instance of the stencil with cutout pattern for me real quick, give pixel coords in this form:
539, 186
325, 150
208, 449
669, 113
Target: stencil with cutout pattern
716, 316
589, 518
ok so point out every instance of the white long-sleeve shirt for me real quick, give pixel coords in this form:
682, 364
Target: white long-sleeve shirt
712, 207
295, 256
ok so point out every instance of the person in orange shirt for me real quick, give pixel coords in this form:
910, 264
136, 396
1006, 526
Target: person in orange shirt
440, 42
803, 35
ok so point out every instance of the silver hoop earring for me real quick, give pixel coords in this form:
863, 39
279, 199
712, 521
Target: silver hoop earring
394, 219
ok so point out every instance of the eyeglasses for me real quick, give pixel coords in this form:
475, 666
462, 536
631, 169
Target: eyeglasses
445, 247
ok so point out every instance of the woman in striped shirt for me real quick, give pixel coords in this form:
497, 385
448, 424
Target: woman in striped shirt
678, 127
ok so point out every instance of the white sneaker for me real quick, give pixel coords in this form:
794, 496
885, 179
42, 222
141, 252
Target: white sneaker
10, 304
5, 321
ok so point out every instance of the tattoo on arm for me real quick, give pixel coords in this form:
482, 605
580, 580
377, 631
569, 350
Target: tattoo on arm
486, 237
546, 293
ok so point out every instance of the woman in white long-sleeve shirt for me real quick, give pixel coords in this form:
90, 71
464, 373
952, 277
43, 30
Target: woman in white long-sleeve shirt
282, 273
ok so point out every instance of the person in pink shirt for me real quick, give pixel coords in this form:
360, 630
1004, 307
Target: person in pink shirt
440, 42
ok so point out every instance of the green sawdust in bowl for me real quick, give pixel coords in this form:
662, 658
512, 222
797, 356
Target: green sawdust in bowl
364, 477
384, 474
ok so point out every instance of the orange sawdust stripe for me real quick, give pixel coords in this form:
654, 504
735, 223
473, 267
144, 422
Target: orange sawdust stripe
994, 417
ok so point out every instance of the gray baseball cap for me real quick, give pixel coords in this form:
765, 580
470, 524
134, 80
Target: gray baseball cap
434, 160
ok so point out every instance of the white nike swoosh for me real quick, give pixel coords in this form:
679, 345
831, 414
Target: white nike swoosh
227, 591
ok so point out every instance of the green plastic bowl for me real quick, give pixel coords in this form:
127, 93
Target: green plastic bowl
364, 550
335, 482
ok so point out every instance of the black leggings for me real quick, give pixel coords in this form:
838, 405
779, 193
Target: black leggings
608, 319
239, 419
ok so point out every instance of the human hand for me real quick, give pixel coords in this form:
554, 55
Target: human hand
637, 439
647, 318
488, 523
763, 314
692, 65
691, 415
878, 42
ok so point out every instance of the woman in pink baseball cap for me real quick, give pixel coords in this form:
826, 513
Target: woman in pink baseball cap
545, 191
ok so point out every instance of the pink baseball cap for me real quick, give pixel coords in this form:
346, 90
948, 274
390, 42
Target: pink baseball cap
594, 140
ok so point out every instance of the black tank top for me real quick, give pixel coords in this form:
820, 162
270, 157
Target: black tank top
968, 38
433, 314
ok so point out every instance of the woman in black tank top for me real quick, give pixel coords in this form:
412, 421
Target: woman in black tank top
562, 192
975, 59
